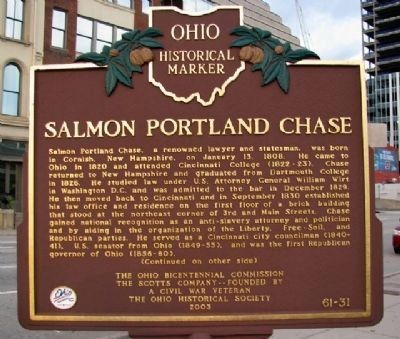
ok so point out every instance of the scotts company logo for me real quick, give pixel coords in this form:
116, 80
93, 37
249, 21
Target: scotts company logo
196, 55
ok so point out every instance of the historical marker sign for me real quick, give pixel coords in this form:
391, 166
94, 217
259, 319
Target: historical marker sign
199, 197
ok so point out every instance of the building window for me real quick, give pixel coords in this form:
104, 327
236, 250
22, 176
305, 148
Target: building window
84, 35
123, 3
11, 89
119, 32
146, 6
11, 153
197, 5
58, 28
92, 35
104, 36
176, 3
14, 19
7, 184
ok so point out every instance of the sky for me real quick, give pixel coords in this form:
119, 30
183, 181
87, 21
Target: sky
334, 26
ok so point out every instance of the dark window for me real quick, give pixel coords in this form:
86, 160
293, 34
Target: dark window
176, 3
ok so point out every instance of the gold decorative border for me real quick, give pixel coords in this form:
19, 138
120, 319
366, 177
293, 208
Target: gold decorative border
176, 318
196, 95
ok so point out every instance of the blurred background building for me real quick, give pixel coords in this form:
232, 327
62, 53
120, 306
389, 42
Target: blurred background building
381, 44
